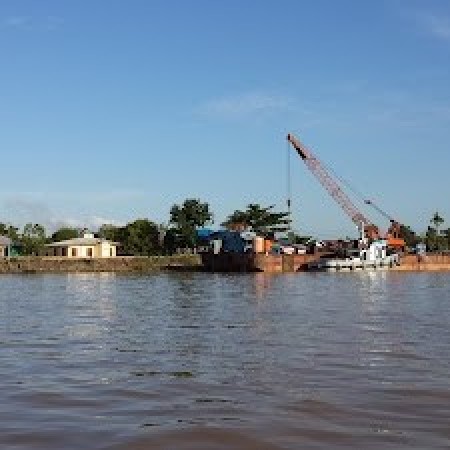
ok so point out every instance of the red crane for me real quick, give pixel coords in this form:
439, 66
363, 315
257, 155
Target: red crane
365, 226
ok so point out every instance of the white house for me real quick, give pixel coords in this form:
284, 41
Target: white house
87, 246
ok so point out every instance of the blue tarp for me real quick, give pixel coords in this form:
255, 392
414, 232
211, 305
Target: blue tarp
204, 233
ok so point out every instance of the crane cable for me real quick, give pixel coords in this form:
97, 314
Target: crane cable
288, 183
358, 193
330, 169
345, 182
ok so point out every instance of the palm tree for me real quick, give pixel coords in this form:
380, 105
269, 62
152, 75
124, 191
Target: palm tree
437, 221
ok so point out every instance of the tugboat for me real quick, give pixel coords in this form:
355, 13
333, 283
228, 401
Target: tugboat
373, 256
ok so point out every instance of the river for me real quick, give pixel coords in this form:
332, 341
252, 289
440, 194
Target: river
214, 361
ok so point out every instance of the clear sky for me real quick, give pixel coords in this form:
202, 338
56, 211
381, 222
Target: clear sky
114, 110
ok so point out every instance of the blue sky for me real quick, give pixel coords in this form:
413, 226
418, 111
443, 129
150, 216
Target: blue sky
113, 110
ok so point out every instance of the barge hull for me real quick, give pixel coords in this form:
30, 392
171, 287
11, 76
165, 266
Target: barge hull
256, 262
249, 262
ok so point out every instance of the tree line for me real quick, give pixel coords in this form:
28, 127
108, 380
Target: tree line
144, 237
436, 237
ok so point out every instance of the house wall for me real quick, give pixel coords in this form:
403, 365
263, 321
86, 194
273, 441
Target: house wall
82, 251
106, 250
102, 250
54, 251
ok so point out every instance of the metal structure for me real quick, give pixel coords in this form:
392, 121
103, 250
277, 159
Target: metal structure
394, 232
366, 227
326, 180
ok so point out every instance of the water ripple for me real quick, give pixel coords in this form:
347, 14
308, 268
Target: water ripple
191, 361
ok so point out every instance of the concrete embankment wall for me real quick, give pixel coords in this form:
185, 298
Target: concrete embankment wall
428, 262
120, 264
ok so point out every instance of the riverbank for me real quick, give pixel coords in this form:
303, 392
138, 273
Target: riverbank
250, 262
226, 262
123, 264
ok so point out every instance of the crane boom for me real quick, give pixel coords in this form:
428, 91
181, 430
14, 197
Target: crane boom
333, 188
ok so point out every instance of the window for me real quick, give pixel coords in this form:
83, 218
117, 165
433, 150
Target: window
111, 252
74, 252
64, 251
89, 252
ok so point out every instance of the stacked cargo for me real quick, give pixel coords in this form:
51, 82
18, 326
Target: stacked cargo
230, 241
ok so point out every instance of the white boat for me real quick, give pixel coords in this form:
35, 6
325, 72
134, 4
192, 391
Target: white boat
373, 257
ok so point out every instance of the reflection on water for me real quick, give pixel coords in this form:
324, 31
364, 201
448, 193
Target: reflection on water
93, 301
252, 361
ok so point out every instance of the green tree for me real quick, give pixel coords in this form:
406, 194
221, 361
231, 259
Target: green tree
33, 238
431, 238
437, 221
10, 231
410, 237
140, 238
171, 241
435, 241
262, 220
192, 214
446, 236
111, 232
301, 240
237, 218
65, 233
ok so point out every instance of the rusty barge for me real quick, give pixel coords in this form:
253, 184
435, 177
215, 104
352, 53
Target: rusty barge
254, 262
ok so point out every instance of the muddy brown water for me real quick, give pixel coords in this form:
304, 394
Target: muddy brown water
204, 361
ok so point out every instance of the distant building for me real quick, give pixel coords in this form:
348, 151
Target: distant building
231, 241
5, 246
8, 248
87, 246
